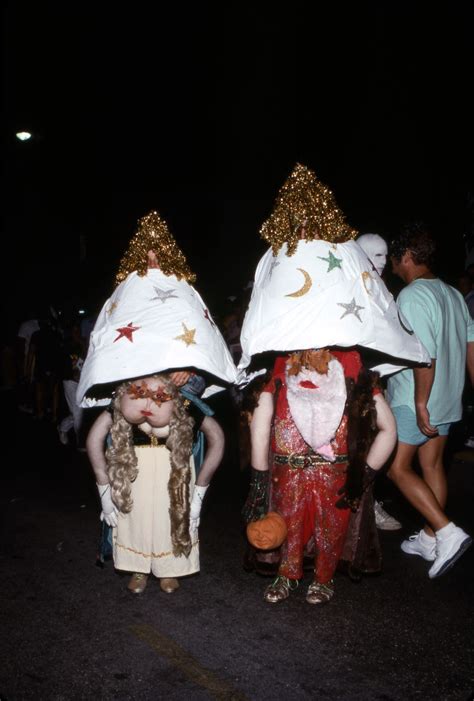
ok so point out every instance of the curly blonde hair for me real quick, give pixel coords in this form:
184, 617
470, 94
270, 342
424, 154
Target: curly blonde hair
123, 469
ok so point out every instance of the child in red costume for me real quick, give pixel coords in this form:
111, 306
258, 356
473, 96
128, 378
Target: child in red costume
314, 426
310, 483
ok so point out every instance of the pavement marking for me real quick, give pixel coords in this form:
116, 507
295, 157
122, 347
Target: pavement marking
186, 663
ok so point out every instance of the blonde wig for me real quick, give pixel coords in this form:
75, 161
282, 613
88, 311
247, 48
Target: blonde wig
123, 469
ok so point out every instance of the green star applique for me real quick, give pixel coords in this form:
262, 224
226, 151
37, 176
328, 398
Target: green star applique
332, 261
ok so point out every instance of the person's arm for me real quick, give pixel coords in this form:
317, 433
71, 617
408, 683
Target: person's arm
470, 361
386, 438
260, 430
256, 504
421, 321
95, 445
424, 378
180, 377
215, 442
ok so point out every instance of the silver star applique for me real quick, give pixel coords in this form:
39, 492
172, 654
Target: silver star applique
351, 308
162, 295
274, 264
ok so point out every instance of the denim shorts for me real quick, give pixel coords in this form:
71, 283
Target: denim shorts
408, 431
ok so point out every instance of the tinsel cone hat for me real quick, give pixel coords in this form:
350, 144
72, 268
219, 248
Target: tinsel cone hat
321, 291
153, 322
304, 201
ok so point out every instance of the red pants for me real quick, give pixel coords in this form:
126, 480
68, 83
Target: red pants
306, 499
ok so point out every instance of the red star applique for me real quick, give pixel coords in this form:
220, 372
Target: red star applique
126, 331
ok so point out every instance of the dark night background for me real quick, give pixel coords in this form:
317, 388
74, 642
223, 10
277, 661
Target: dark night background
202, 112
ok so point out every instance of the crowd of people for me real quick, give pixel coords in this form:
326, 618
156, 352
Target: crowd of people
335, 382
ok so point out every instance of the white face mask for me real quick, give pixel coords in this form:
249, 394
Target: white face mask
375, 249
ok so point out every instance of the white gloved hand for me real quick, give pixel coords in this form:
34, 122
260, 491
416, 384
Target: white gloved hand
109, 510
196, 504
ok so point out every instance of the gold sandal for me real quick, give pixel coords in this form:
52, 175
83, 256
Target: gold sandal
169, 584
138, 582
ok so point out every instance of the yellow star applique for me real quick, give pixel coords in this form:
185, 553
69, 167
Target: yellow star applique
187, 336
113, 306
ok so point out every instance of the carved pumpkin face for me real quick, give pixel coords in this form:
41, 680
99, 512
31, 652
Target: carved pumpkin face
268, 532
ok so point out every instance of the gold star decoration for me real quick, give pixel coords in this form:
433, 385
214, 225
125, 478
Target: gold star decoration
187, 336
112, 307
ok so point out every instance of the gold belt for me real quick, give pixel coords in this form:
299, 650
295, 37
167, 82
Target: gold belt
296, 461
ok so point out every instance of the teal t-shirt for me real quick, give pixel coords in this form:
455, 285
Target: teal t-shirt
440, 318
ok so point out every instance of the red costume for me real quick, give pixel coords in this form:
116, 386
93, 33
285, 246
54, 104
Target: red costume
304, 486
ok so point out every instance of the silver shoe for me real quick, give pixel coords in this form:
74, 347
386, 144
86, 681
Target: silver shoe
383, 520
320, 593
279, 590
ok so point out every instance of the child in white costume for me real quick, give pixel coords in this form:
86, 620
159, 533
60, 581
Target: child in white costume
146, 477
155, 327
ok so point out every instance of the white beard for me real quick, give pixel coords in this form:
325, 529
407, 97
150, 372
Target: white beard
317, 413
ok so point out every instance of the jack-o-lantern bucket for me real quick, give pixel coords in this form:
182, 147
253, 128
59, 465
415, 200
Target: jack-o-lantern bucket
268, 532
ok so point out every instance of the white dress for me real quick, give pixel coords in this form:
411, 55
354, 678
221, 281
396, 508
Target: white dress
142, 538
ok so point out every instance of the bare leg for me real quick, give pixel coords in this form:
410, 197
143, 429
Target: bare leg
414, 488
430, 456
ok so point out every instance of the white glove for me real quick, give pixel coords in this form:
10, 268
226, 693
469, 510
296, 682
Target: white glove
109, 510
196, 503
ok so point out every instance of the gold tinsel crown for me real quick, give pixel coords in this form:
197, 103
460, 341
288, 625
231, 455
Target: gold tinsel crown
303, 198
153, 235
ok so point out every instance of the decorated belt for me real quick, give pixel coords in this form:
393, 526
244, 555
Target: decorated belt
297, 461
150, 441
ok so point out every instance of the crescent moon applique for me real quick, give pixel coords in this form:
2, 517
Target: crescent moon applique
366, 276
306, 286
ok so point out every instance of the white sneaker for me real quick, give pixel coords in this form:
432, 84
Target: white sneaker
451, 543
469, 443
383, 520
63, 437
420, 544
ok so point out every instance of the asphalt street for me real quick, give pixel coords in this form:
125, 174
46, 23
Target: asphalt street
71, 630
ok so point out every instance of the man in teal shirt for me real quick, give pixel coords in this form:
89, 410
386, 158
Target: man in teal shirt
427, 400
